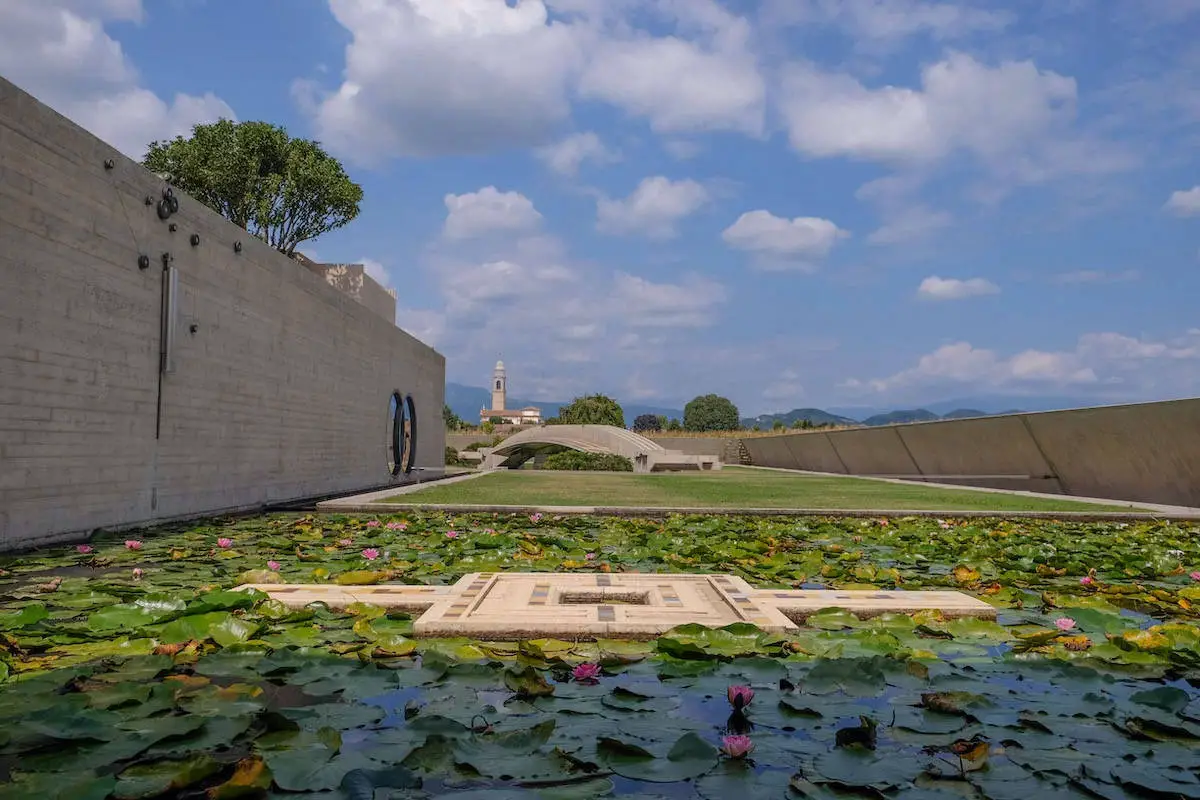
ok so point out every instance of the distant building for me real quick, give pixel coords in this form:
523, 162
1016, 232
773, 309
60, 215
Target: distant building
517, 416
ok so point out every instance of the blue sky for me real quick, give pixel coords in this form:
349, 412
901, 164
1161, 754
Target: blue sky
789, 202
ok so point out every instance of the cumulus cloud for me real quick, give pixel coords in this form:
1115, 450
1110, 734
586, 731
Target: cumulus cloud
58, 51
1185, 202
567, 155
935, 288
488, 210
687, 304
429, 77
1015, 118
678, 85
1105, 359
762, 233
653, 209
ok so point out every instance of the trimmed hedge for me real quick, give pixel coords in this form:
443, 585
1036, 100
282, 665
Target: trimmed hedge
598, 462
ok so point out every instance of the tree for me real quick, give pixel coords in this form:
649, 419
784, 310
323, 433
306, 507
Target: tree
710, 412
452, 420
497, 420
592, 409
674, 425
283, 190
648, 422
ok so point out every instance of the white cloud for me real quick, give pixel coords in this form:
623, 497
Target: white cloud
58, 51
1017, 119
566, 156
763, 233
908, 224
1153, 368
652, 209
935, 288
431, 77
486, 211
688, 304
678, 85
892, 19
962, 104
1185, 202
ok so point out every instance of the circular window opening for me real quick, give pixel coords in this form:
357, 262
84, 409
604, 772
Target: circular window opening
408, 433
394, 438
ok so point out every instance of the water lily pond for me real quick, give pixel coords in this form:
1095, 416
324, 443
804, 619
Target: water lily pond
132, 671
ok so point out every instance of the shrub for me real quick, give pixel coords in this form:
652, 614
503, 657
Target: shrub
599, 462
592, 409
647, 422
452, 459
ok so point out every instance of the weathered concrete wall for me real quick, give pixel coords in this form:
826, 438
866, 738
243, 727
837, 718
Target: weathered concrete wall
1148, 452
353, 280
279, 392
692, 445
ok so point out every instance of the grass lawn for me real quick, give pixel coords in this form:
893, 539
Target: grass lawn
729, 488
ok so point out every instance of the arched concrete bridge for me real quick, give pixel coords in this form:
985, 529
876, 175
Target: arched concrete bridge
646, 454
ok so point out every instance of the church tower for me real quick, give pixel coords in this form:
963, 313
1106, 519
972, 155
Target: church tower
499, 387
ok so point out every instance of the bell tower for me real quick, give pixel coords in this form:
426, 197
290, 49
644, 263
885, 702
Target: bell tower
499, 387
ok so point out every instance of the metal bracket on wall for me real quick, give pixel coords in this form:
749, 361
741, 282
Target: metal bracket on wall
169, 319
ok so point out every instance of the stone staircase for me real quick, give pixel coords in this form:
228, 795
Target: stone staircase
735, 452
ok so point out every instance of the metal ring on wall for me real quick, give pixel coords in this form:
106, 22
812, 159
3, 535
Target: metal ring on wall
410, 456
396, 410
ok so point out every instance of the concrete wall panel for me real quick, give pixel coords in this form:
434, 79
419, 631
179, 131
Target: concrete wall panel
872, 451
816, 450
280, 392
1148, 452
693, 445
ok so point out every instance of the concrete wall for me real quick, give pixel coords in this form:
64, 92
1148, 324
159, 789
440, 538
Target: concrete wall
281, 392
353, 280
1147, 452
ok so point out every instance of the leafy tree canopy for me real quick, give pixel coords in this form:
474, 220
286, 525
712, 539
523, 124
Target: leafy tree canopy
283, 190
710, 412
648, 422
452, 420
592, 409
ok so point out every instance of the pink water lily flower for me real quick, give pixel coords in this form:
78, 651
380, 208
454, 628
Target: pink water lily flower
739, 696
490, 531
1064, 623
451, 534
133, 544
373, 523
590, 556
345, 542
370, 554
586, 672
224, 542
535, 517
1195, 575
137, 573
1087, 580
273, 566
397, 526
83, 548
737, 746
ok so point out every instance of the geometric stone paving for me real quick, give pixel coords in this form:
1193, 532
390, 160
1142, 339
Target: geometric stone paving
508, 606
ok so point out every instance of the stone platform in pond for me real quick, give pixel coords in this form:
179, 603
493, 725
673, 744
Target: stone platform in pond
501, 606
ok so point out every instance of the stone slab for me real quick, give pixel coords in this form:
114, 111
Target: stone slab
511, 606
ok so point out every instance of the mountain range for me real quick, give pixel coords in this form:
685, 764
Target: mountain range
466, 401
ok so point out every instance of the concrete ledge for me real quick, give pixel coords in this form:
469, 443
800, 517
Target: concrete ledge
353, 505
375, 497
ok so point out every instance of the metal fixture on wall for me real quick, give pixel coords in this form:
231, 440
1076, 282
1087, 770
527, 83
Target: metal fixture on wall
237, 247
143, 262
169, 203
195, 240
172, 227
170, 312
